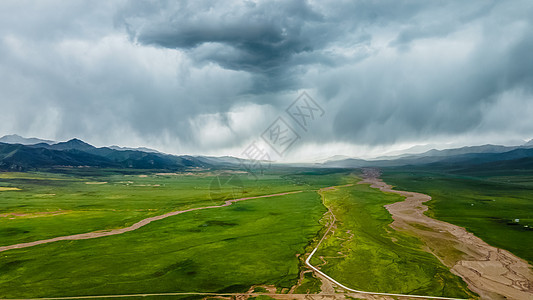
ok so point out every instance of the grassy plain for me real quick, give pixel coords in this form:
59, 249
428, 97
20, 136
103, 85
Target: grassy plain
50, 204
497, 208
364, 253
224, 249
229, 249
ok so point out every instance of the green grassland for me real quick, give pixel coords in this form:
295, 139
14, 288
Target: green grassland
72, 206
224, 249
227, 249
218, 250
487, 205
365, 253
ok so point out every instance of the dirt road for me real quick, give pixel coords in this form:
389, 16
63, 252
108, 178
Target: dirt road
144, 222
358, 293
231, 296
491, 272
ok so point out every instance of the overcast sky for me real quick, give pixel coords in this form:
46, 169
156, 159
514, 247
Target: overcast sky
209, 77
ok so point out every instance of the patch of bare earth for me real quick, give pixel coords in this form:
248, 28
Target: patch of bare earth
5, 189
491, 272
12, 215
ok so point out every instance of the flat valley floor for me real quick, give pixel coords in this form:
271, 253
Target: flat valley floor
99, 233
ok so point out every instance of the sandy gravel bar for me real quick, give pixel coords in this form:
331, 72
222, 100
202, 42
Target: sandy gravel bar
491, 272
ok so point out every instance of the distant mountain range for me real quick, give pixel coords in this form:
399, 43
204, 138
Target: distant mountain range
17, 139
75, 152
18, 153
143, 149
452, 158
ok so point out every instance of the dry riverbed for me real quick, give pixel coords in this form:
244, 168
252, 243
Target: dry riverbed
491, 272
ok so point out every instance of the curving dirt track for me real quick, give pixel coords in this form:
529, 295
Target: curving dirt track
491, 272
144, 222
331, 283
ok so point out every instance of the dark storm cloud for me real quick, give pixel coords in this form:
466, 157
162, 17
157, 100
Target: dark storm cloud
248, 36
467, 59
193, 76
